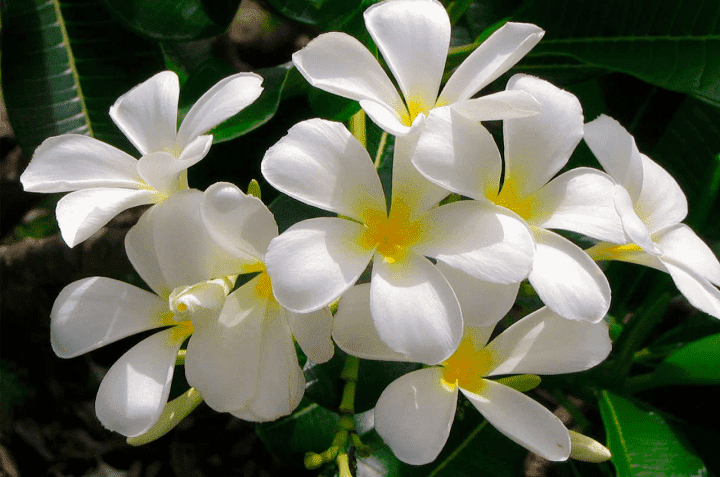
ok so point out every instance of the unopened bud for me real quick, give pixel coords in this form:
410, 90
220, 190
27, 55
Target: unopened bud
587, 449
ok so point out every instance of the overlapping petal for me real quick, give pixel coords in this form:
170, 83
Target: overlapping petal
458, 154
497, 54
414, 309
71, 162
312, 332
522, 419
567, 280
413, 37
682, 246
537, 147
95, 311
699, 292
320, 163
479, 238
313, 262
83, 212
580, 200
225, 99
414, 414
354, 330
133, 393
635, 229
147, 114
500, 105
546, 343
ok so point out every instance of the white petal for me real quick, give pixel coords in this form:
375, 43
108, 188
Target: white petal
354, 330
313, 262
239, 223
482, 303
386, 119
656, 196
497, 54
479, 238
413, 38
567, 280
95, 311
699, 292
312, 332
537, 147
684, 248
523, 420
163, 172
320, 163
409, 186
414, 415
225, 99
546, 343
72, 162
458, 154
134, 392
170, 247
82, 213
501, 105
340, 64
635, 229
147, 114
580, 200
414, 309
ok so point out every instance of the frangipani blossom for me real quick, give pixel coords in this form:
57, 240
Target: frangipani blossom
415, 412
247, 359
414, 37
651, 206
315, 261
106, 180
462, 156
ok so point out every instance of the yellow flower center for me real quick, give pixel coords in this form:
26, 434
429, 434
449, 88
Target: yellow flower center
609, 251
390, 235
467, 367
264, 287
510, 199
415, 106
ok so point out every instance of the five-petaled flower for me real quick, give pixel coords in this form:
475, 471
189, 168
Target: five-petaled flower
106, 180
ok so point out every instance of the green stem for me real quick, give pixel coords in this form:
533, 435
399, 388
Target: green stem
349, 375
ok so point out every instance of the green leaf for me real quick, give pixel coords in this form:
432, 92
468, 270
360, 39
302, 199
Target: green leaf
671, 44
175, 19
643, 442
69, 62
309, 428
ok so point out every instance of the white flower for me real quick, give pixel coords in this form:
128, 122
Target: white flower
415, 412
651, 206
462, 156
414, 37
313, 262
106, 180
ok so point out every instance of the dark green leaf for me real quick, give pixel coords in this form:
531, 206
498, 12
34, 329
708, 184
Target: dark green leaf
697, 363
309, 428
68, 64
674, 45
643, 442
175, 19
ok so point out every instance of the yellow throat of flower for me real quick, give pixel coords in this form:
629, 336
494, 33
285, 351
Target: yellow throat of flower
415, 106
467, 367
390, 235
510, 199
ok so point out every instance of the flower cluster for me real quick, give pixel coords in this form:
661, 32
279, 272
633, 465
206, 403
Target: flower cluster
443, 272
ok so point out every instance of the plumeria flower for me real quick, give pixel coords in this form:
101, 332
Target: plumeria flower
651, 206
190, 276
414, 38
106, 180
413, 306
460, 155
415, 412
246, 362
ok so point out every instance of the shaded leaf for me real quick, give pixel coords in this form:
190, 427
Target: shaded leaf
674, 45
69, 62
697, 363
175, 19
643, 442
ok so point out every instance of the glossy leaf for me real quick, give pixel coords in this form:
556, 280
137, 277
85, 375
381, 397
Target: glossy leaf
69, 62
309, 428
697, 363
643, 442
175, 19
674, 45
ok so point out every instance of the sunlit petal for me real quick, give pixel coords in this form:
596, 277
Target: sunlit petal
699, 292
635, 229
684, 248
414, 415
312, 332
501, 105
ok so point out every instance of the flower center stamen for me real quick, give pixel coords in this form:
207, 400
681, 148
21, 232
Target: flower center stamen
510, 199
390, 235
467, 367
